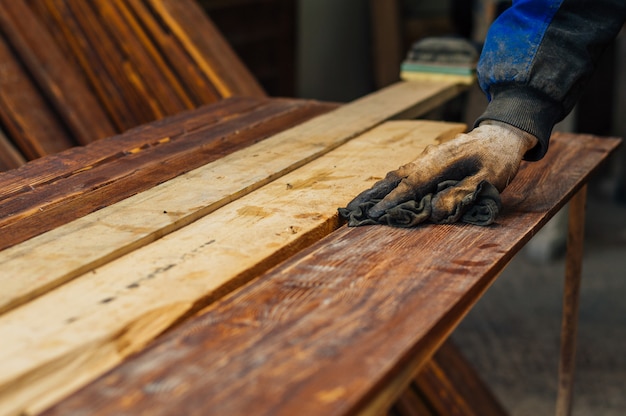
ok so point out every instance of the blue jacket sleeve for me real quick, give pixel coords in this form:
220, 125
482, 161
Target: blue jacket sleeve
538, 57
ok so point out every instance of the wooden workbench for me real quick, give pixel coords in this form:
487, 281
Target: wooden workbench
196, 265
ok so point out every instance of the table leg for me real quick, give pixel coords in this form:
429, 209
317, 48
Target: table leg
571, 298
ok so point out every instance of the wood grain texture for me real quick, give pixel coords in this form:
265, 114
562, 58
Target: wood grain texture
199, 37
96, 54
343, 326
116, 309
138, 163
198, 87
61, 83
158, 77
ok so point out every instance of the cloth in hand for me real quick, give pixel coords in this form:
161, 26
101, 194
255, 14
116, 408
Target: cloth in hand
479, 208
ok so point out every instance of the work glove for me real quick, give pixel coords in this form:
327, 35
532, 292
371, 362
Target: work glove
457, 180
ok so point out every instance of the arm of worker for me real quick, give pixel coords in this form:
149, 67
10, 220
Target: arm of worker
537, 58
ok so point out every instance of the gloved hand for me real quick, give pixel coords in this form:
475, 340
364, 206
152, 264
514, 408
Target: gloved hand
447, 180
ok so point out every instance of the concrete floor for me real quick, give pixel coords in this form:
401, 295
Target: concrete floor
512, 334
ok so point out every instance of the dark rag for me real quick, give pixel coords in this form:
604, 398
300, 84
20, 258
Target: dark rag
479, 208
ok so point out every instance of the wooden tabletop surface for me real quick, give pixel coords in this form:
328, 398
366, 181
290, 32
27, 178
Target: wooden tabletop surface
196, 265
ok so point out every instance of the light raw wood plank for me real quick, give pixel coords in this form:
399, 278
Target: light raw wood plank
117, 308
74, 252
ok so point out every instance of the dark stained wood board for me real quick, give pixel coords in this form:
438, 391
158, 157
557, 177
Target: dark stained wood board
344, 325
109, 171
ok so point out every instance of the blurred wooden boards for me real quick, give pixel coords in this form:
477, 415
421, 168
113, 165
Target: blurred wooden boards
76, 71
344, 325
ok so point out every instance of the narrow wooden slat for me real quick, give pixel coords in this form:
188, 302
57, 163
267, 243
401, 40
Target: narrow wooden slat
162, 89
110, 61
571, 303
62, 84
155, 58
27, 118
221, 251
134, 169
341, 326
209, 50
97, 57
196, 83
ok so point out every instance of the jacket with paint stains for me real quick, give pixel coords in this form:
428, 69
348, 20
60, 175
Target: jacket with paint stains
537, 58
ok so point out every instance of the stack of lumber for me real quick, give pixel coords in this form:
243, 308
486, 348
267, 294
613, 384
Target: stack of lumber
77, 300
76, 71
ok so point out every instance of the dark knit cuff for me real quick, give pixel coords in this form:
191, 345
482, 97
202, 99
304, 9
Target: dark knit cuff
527, 110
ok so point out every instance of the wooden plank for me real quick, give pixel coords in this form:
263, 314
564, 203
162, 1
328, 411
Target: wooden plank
127, 302
80, 31
202, 41
62, 84
343, 326
27, 118
132, 169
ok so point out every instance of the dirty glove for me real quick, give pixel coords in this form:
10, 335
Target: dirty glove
458, 180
